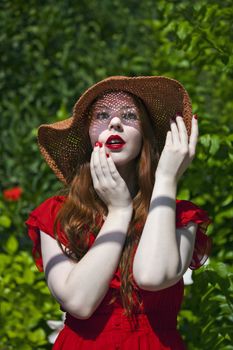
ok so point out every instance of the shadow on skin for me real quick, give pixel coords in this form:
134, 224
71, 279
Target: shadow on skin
115, 236
92, 327
162, 201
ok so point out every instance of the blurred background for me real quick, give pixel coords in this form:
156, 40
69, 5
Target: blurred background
51, 51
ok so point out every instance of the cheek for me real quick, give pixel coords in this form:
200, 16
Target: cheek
135, 144
95, 130
138, 143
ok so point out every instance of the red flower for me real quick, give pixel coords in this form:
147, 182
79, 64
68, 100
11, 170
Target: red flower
13, 194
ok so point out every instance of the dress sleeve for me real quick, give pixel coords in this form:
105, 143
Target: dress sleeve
42, 218
185, 212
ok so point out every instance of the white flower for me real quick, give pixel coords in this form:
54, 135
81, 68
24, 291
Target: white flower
57, 326
188, 275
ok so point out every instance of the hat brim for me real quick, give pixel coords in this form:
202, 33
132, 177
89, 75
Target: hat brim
63, 144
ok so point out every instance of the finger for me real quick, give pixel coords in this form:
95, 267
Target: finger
182, 131
105, 178
96, 164
168, 141
104, 163
193, 137
112, 167
175, 133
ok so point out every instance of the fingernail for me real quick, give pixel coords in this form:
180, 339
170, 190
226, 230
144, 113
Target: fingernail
97, 144
195, 116
107, 155
100, 144
178, 114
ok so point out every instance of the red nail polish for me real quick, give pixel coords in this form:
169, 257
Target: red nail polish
100, 144
96, 144
178, 114
107, 155
195, 116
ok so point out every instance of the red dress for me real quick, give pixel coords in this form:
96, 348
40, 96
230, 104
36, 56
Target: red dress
154, 325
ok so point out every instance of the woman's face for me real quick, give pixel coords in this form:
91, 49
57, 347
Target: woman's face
116, 113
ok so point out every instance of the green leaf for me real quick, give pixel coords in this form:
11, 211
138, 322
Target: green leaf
184, 194
24, 347
183, 30
215, 144
225, 59
11, 245
62, 113
37, 336
221, 269
28, 276
227, 200
5, 221
205, 140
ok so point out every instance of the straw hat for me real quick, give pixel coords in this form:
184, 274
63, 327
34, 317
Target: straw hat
65, 145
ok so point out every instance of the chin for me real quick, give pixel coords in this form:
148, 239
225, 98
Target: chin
121, 161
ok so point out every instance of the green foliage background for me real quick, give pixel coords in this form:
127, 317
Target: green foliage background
50, 53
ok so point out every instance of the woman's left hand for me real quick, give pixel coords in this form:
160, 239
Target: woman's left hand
179, 149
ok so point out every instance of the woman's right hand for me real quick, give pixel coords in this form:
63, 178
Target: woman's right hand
108, 183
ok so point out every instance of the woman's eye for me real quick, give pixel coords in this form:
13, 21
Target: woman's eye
102, 115
130, 115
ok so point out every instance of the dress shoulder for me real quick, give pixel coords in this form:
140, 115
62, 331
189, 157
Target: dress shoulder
42, 218
187, 211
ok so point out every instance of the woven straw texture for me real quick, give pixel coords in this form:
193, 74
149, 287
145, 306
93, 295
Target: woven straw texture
65, 145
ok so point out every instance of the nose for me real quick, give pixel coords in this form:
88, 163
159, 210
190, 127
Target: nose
115, 123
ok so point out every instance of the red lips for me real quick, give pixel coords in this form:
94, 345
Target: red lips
115, 137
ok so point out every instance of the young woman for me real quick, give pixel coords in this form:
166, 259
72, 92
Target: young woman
116, 242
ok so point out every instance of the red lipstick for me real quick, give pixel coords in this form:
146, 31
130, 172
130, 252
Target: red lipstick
115, 137
116, 146
114, 142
